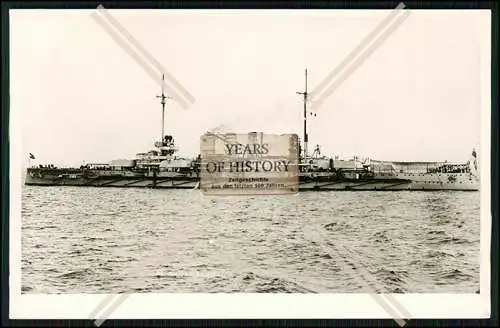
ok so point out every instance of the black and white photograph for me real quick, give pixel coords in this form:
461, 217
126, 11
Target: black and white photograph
224, 158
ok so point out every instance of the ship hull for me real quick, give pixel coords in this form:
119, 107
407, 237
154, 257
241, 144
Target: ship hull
430, 183
404, 181
117, 182
387, 186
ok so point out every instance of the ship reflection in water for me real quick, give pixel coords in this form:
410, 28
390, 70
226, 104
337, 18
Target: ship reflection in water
144, 240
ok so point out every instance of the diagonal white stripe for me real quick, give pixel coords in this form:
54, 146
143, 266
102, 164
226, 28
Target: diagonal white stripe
316, 103
122, 38
358, 49
146, 54
102, 305
105, 315
362, 281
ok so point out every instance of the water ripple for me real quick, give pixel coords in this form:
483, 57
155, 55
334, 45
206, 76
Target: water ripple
100, 240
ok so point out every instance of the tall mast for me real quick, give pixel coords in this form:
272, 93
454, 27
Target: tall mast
163, 102
305, 94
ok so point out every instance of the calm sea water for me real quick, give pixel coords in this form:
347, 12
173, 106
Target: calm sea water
107, 240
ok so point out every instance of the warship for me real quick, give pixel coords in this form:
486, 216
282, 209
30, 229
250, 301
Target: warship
161, 167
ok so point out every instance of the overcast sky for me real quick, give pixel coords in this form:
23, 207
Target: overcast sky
81, 97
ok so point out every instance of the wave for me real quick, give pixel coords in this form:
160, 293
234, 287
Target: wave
75, 274
250, 282
437, 254
381, 237
455, 275
454, 240
25, 289
339, 226
393, 281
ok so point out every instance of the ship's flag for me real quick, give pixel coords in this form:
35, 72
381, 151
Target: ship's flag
32, 156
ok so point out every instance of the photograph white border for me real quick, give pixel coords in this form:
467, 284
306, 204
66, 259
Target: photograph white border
262, 306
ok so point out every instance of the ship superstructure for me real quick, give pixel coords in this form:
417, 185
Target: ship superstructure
331, 173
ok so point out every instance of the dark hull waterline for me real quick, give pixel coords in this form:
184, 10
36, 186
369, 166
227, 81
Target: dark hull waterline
304, 184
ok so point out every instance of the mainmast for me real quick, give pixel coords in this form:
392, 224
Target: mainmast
163, 102
305, 94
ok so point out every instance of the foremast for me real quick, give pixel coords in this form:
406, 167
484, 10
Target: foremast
305, 95
304, 154
166, 146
